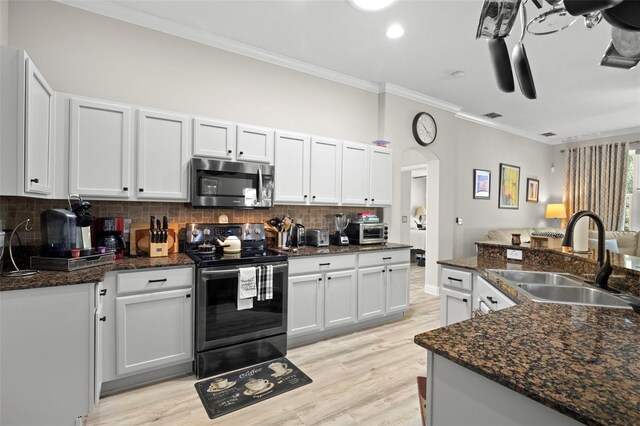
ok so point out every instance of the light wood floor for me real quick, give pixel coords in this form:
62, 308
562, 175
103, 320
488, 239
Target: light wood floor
366, 377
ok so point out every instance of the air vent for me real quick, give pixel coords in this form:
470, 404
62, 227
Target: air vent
548, 134
493, 115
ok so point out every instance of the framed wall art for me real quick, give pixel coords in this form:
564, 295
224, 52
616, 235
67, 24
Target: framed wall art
533, 190
509, 197
481, 184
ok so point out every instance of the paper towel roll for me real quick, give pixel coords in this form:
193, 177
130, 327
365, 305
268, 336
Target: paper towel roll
581, 236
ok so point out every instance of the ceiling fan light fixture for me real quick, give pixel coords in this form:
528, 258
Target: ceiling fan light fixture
395, 31
372, 5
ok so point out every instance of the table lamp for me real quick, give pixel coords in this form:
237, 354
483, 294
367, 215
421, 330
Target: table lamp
420, 211
556, 211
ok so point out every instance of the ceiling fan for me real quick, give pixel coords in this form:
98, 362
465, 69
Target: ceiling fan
498, 16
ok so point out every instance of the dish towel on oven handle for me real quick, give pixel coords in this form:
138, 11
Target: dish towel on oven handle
247, 288
265, 282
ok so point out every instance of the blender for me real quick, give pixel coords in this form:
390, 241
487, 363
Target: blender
340, 238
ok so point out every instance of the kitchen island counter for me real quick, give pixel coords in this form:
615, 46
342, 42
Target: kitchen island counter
581, 361
91, 275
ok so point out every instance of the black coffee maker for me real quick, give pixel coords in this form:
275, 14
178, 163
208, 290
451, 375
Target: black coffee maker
110, 235
58, 228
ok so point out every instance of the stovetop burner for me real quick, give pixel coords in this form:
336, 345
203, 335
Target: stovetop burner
251, 235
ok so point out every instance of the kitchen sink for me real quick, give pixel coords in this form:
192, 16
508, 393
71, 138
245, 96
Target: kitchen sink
555, 287
534, 277
575, 295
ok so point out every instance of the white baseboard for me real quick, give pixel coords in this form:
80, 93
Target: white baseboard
432, 289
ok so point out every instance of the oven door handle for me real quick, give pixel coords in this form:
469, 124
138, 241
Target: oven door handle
220, 272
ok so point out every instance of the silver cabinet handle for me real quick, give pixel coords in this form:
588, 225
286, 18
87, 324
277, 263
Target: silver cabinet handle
259, 185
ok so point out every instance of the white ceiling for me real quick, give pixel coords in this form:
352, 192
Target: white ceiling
577, 98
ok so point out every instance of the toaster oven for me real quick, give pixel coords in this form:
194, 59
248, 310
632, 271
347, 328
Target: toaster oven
367, 233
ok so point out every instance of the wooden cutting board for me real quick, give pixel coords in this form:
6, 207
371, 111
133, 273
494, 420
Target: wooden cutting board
139, 238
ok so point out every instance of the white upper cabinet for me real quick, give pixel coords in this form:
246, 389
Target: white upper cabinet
38, 132
98, 131
163, 156
380, 171
26, 128
355, 174
254, 144
292, 159
213, 138
326, 171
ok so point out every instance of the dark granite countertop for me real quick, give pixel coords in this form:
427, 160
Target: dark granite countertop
581, 361
91, 275
331, 249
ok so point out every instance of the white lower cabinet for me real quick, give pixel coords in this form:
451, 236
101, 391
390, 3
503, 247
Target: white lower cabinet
456, 300
305, 304
340, 294
454, 306
333, 294
148, 322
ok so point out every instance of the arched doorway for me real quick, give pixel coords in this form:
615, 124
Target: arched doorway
414, 159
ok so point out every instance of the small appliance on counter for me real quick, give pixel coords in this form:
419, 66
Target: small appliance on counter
298, 235
318, 237
109, 233
84, 220
340, 238
367, 233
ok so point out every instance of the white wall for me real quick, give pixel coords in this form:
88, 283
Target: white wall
92, 55
4, 22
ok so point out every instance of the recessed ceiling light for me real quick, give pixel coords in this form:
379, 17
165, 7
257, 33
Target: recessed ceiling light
372, 5
395, 31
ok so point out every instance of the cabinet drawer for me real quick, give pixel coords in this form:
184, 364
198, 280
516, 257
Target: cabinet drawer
491, 296
453, 278
153, 280
383, 257
309, 265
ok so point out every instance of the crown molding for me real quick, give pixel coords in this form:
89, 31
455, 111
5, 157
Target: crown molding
143, 19
606, 134
418, 97
499, 126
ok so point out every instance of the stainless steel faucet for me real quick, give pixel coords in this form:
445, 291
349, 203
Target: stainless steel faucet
604, 267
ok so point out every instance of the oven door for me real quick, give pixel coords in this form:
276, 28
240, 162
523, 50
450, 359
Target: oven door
372, 234
219, 322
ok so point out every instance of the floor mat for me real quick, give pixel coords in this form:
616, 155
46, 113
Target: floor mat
229, 392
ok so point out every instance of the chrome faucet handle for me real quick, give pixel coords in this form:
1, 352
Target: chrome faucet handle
604, 272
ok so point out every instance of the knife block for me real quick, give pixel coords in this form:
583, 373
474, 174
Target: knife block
141, 244
158, 249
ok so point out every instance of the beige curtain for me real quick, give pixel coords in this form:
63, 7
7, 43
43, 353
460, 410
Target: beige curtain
595, 179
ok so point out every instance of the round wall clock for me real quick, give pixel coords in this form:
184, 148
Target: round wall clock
424, 128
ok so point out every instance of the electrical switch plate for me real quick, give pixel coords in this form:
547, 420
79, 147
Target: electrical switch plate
459, 220
514, 254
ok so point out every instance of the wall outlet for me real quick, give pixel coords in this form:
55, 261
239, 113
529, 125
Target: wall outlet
514, 254
405, 219
458, 220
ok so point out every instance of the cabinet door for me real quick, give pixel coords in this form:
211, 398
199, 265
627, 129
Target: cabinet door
291, 165
163, 162
99, 321
254, 144
38, 132
454, 306
380, 172
397, 288
215, 139
355, 173
305, 304
326, 168
99, 149
154, 330
340, 298
371, 294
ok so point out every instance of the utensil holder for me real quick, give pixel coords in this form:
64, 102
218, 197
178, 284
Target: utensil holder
283, 239
158, 249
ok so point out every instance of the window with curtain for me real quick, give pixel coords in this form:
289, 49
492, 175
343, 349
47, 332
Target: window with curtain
632, 197
596, 179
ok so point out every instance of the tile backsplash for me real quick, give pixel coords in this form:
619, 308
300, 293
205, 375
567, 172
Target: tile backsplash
14, 210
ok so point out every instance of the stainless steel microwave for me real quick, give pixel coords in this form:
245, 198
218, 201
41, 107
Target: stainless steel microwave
240, 185
367, 233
